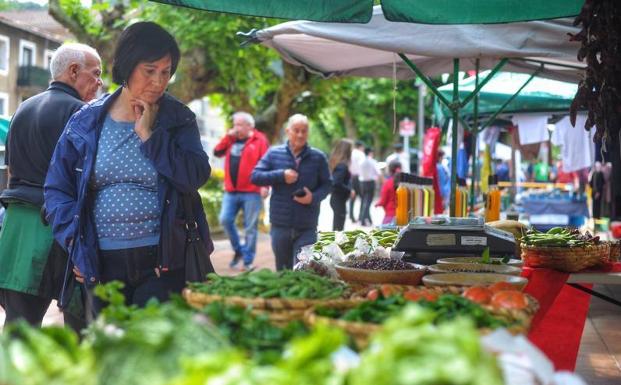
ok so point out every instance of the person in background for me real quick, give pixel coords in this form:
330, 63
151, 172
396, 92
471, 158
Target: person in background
388, 196
357, 156
400, 156
541, 172
121, 191
341, 182
243, 147
368, 179
300, 180
502, 171
444, 179
33, 265
596, 182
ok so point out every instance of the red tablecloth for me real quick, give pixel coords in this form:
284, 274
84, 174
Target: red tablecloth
558, 325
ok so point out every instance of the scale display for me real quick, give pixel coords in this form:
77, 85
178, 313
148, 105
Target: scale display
425, 240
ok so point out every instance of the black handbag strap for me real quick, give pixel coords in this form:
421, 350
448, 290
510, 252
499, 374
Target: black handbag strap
190, 220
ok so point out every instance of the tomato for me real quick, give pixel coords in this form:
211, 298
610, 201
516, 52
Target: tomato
417, 295
429, 295
478, 294
500, 286
413, 295
373, 294
509, 299
388, 290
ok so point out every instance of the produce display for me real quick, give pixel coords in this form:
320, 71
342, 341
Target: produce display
411, 349
559, 237
253, 333
380, 264
268, 284
172, 344
346, 240
445, 307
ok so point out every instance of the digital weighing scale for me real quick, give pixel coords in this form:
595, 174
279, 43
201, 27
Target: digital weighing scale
425, 240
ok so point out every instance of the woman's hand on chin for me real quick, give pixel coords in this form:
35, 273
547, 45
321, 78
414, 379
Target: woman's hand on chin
145, 114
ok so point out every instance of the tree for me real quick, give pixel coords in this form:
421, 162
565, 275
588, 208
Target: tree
212, 60
251, 78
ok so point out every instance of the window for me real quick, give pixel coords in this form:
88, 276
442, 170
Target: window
27, 53
5, 48
4, 104
47, 57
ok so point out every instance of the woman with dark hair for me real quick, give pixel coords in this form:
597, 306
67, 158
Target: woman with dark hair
121, 190
341, 184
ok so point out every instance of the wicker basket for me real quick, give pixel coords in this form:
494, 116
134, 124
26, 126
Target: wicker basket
568, 259
279, 310
615, 251
361, 332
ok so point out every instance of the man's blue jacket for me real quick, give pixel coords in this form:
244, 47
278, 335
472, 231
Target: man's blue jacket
313, 172
175, 151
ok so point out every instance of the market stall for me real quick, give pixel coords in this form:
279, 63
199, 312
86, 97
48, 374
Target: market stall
332, 49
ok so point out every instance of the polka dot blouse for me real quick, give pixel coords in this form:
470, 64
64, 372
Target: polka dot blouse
126, 211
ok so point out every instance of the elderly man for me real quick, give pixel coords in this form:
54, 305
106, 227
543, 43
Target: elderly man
300, 179
33, 266
243, 147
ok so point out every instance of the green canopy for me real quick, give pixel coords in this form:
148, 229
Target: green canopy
539, 95
411, 11
478, 11
343, 11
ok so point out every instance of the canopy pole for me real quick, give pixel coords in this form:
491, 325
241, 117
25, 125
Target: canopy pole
502, 108
489, 77
455, 107
475, 137
425, 80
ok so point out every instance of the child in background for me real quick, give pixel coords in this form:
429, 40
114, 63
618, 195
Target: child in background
388, 197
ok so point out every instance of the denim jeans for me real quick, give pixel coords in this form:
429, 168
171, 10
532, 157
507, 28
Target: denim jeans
251, 204
287, 242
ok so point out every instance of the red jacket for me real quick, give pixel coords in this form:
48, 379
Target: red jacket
253, 151
388, 199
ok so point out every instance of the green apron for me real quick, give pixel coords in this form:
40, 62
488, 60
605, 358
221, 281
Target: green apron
25, 244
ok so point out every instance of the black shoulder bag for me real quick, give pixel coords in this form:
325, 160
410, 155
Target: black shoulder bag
196, 255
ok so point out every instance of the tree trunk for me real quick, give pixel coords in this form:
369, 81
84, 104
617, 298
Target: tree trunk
351, 131
271, 120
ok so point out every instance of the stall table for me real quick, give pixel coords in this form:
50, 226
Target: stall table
564, 305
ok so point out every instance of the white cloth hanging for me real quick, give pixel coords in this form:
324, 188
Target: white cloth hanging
578, 149
532, 128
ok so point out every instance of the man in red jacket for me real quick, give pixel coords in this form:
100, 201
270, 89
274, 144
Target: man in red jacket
243, 147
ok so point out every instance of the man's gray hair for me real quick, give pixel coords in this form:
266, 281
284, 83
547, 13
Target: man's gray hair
297, 118
68, 54
245, 116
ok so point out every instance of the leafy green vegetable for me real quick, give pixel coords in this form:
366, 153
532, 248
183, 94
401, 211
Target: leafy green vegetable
253, 333
412, 350
485, 256
46, 356
446, 308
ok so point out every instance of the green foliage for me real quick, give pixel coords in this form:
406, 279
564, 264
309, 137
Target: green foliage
369, 103
239, 74
252, 78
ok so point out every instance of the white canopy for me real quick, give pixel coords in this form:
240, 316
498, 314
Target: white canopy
335, 49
